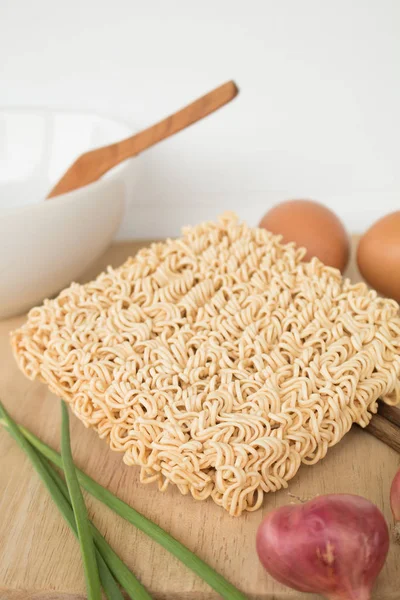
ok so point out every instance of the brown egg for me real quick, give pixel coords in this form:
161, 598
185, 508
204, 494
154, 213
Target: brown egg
378, 256
313, 226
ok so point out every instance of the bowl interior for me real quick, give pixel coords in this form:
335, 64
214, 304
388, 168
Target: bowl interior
37, 146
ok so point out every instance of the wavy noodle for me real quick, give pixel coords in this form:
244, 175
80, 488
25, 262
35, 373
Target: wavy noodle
219, 361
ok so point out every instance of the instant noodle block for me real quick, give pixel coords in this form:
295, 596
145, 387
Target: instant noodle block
219, 361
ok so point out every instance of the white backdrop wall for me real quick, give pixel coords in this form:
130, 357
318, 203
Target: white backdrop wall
318, 114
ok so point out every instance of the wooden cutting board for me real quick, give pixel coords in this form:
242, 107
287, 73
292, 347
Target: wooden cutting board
39, 557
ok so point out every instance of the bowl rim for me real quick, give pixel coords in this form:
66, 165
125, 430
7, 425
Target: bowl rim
130, 130
74, 196
59, 109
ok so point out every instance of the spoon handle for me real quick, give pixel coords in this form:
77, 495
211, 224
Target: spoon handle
91, 165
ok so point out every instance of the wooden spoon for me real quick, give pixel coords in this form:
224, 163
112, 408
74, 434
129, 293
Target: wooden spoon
91, 165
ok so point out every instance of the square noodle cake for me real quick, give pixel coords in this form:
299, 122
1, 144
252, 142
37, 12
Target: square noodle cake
218, 361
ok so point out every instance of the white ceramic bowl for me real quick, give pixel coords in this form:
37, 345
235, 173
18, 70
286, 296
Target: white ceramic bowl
46, 244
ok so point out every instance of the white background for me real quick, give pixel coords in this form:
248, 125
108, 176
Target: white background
318, 114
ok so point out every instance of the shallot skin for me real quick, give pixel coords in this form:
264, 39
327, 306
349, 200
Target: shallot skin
333, 545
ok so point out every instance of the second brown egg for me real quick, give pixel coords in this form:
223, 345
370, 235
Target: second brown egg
313, 226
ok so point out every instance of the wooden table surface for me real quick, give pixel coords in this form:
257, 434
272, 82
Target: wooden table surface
40, 559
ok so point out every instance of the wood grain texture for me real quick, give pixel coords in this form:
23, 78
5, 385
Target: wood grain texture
92, 165
391, 413
39, 557
386, 431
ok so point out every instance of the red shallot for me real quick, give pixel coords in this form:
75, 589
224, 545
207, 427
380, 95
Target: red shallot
332, 545
395, 504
